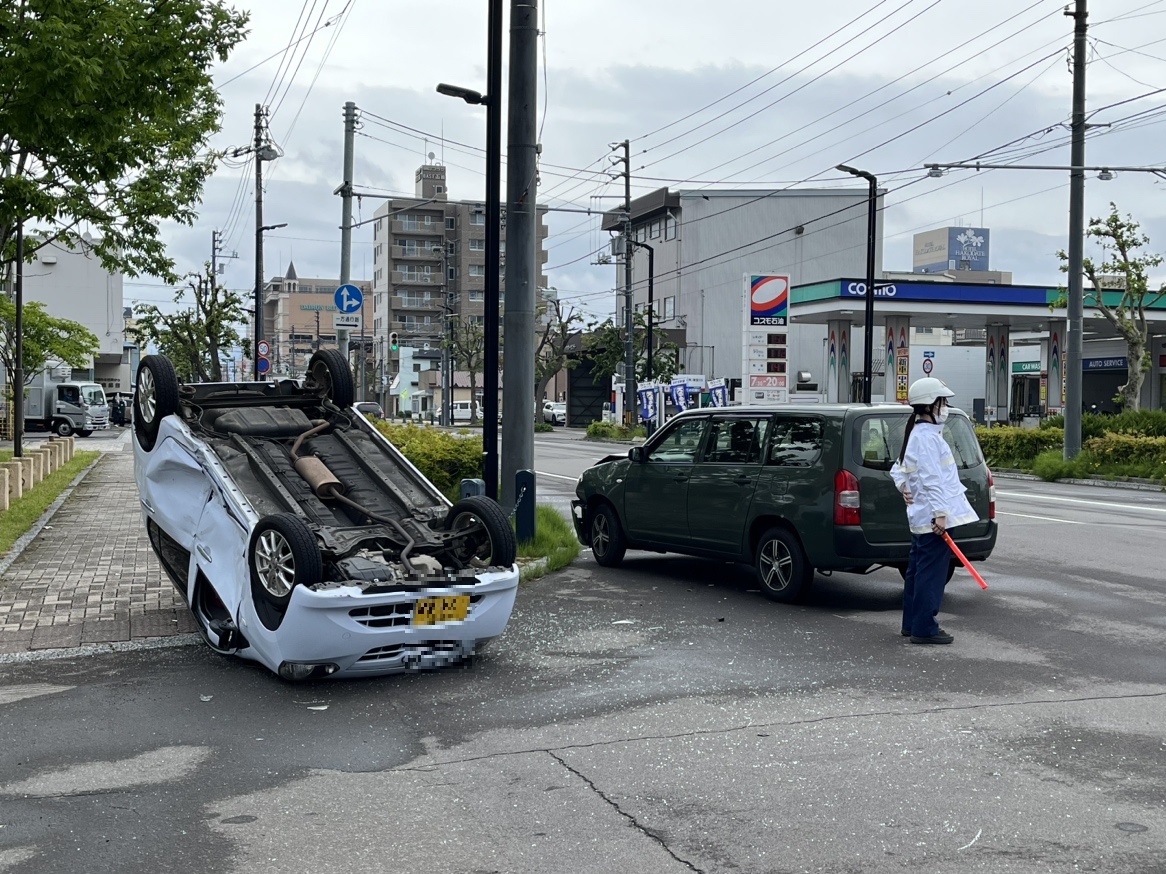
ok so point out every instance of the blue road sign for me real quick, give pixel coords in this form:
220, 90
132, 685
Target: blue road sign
263, 364
349, 299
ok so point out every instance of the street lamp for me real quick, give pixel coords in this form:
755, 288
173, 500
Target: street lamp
492, 100
258, 332
868, 327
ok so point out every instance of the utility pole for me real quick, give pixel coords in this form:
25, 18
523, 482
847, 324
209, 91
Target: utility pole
629, 388
18, 369
345, 191
258, 332
1076, 238
521, 243
493, 236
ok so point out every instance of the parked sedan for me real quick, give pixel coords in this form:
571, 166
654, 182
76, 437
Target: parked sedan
301, 538
788, 489
555, 413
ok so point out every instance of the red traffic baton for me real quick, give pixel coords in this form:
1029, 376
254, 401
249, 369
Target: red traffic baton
964, 560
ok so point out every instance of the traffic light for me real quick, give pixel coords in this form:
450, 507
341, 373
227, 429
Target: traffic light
394, 342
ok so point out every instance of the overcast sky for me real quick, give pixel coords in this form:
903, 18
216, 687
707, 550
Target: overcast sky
735, 94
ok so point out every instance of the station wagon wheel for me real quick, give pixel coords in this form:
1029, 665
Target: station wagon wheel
486, 538
608, 543
781, 565
282, 555
330, 374
155, 398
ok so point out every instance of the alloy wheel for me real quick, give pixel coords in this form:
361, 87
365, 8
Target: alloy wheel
776, 565
600, 535
274, 563
147, 395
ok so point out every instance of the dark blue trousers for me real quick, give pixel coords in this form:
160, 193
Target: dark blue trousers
926, 579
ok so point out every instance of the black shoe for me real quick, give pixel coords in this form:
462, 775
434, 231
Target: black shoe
940, 636
906, 632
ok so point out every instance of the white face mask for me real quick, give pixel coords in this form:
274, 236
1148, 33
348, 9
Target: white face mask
941, 416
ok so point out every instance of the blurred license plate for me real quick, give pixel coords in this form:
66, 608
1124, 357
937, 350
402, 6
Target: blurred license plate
447, 608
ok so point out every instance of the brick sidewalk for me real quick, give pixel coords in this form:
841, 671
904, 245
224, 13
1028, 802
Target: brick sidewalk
90, 576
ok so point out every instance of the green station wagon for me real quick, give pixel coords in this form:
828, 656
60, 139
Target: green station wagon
789, 489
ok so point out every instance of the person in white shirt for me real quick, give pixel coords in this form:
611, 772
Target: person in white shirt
927, 477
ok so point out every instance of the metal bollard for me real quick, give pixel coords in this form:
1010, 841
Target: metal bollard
471, 487
524, 507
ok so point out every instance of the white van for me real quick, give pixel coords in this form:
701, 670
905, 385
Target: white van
461, 411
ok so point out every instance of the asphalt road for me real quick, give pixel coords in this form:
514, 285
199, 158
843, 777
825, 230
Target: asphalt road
660, 717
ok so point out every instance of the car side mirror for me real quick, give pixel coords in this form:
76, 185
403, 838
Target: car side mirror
636, 453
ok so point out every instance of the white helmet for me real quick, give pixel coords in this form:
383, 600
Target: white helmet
925, 391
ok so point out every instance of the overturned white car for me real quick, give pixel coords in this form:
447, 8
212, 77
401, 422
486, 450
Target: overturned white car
302, 539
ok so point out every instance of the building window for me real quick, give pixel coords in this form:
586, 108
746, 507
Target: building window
476, 294
437, 189
477, 218
450, 223
655, 229
451, 273
477, 270
669, 228
668, 309
415, 298
477, 245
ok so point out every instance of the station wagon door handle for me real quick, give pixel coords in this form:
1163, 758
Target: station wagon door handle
743, 480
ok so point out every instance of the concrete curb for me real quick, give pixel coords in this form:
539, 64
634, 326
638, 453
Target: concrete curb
94, 649
28, 536
1132, 485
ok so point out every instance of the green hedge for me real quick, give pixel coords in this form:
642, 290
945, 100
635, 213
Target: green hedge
1150, 423
445, 459
1017, 447
614, 431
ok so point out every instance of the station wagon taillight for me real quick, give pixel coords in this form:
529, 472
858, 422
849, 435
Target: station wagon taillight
846, 503
991, 496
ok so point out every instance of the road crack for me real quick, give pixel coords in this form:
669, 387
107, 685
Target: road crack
636, 824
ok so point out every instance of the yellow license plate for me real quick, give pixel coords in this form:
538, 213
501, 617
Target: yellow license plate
447, 608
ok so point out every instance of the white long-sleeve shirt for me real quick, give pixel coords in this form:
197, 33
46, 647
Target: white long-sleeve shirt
929, 473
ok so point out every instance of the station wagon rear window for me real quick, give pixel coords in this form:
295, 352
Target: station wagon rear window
880, 437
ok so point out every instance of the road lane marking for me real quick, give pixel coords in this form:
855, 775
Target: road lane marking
1044, 518
557, 475
1080, 501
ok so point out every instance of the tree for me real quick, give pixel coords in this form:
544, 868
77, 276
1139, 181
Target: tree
467, 348
550, 356
193, 337
106, 107
46, 339
1120, 292
605, 345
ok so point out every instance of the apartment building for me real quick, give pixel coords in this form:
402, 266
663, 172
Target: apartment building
429, 264
297, 318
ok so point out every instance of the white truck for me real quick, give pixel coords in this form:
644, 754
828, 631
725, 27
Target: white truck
55, 402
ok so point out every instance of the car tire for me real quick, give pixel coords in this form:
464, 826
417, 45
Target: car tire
608, 543
63, 428
327, 370
782, 568
155, 398
497, 545
281, 555
902, 569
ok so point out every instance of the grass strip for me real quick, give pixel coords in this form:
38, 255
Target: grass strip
22, 514
554, 540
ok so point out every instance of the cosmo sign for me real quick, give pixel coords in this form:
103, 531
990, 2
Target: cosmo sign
768, 300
